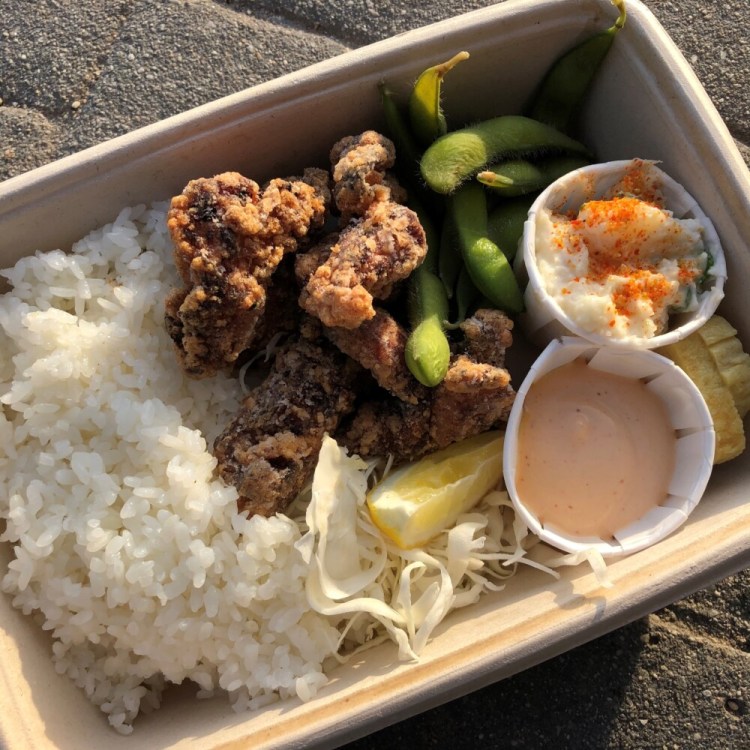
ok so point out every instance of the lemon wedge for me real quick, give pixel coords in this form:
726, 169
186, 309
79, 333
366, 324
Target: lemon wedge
418, 501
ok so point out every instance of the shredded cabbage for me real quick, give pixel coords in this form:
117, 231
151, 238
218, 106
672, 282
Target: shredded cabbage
375, 590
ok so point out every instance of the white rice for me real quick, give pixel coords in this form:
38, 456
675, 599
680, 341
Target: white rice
128, 549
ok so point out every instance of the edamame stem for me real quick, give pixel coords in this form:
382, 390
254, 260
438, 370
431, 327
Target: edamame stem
458, 155
487, 265
425, 113
558, 99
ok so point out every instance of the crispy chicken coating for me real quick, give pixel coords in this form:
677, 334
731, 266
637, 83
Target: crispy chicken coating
389, 426
488, 333
379, 345
360, 166
476, 393
269, 450
282, 313
306, 264
232, 245
473, 398
372, 254
229, 237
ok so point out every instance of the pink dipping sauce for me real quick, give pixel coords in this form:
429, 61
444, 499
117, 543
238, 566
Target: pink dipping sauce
596, 451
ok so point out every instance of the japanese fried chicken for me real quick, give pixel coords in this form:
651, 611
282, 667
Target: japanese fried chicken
343, 370
474, 397
378, 345
269, 450
360, 165
229, 237
382, 243
371, 256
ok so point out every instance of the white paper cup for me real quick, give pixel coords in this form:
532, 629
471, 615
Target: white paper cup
544, 319
688, 415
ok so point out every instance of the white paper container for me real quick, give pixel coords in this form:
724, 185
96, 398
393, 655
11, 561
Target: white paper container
689, 417
668, 117
543, 318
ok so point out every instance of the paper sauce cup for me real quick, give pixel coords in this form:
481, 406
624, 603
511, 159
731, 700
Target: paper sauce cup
544, 319
688, 415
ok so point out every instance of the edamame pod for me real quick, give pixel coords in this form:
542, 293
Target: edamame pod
427, 349
449, 258
518, 176
425, 113
467, 295
458, 155
432, 238
505, 223
408, 154
558, 99
488, 267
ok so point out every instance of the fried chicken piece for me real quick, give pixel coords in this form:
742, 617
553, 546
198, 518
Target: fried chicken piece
229, 237
370, 257
379, 345
269, 450
282, 313
360, 164
473, 398
488, 333
389, 426
475, 394
305, 264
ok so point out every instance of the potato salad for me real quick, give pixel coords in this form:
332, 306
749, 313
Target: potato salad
621, 265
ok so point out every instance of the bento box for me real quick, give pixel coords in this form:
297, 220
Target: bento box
646, 102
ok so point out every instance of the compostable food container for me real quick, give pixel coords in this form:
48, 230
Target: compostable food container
646, 102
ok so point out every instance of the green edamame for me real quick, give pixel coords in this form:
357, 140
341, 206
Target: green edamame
458, 155
488, 267
432, 237
558, 99
427, 349
408, 154
505, 223
425, 111
518, 176
467, 295
449, 257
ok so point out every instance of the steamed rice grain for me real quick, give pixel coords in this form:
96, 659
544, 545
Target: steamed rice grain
124, 542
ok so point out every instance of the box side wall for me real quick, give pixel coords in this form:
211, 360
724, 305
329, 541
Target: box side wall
303, 112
